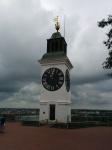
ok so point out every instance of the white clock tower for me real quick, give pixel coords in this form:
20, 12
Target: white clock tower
55, 99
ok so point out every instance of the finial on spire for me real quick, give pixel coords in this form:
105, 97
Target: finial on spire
57, 25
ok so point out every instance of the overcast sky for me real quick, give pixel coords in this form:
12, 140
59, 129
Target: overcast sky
24, 27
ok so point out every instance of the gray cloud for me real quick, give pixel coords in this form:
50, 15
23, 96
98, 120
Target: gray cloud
24, 28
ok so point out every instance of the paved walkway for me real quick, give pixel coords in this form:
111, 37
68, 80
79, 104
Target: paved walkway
18, 137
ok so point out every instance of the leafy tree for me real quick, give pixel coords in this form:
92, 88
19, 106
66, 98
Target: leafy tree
108, 63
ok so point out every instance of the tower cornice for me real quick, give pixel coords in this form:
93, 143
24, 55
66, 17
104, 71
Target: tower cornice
66, 61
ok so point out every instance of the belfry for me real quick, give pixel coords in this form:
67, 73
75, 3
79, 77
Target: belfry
55, 98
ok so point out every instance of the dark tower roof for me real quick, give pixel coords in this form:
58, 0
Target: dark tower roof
56, 35
56, 47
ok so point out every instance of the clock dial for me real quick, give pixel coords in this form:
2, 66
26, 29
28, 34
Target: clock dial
67, 80
52, 79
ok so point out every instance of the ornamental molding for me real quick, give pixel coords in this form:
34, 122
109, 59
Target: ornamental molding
46, 62
64, 103
43, 103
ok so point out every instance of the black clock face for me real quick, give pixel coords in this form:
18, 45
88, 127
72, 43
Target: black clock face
67, 80
53, 79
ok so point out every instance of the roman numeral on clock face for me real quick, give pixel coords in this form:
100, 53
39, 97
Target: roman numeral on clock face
53, 70
44, 79
52, 88
60, 78
45, 83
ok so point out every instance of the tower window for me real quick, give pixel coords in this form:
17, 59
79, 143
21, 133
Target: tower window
65, 48
54, 46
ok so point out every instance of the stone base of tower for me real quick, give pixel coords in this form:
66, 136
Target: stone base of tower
58, 112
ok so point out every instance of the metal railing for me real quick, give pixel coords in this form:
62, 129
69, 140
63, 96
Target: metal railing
27, 118
101, 120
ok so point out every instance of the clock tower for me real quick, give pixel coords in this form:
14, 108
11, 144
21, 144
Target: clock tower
55, 98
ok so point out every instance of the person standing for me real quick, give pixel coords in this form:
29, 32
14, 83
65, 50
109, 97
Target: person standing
2, 124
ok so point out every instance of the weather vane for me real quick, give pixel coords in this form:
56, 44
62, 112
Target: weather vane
57, 25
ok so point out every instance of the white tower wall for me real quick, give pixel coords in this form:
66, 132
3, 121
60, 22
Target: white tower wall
60, 98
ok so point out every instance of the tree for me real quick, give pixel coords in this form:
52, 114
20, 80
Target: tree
108, 63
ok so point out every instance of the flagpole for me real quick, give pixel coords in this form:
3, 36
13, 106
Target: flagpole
64, 26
